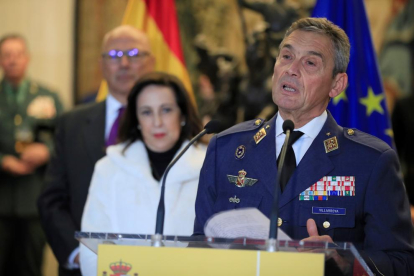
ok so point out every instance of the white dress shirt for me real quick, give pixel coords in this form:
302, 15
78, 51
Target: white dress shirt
301, 146
112, 110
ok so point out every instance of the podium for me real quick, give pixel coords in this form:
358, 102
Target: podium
136, 255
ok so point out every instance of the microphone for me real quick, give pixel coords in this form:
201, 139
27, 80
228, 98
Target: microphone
288, 127
211, 127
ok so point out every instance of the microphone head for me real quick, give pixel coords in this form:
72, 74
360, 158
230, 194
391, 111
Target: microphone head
213, 126
288, 125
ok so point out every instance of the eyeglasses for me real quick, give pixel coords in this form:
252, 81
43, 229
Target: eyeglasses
133, 55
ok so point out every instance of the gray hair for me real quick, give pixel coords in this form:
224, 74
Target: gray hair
338, 37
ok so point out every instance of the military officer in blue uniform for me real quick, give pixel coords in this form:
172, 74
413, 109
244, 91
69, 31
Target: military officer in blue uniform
347, 184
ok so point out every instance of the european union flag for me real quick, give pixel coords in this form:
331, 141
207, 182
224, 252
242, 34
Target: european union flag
362, 105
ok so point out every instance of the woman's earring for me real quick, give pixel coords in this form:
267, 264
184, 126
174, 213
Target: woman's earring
182, 123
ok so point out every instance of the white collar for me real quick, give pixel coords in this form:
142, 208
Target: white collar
112, 105
311, 129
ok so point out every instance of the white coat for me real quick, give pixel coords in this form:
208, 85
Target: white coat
124, 196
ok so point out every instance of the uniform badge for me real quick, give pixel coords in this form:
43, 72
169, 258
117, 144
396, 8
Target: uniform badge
259, 135
240, 151
329, 186
331, 144
234, 199
328, 211
241, 180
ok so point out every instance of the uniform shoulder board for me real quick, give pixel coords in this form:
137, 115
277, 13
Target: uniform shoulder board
365, 139
242, 127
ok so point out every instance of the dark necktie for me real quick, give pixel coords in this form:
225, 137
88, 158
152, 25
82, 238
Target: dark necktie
113, 134
290, 160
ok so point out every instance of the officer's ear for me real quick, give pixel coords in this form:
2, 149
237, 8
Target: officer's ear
339, 84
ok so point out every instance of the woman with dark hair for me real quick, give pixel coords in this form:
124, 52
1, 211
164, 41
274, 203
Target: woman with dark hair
125, 190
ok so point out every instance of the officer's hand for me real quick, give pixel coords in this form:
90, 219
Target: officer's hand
15, 166
313, 233
342, 264
35, 155
412, 213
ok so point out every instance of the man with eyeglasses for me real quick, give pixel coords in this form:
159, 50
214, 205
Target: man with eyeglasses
81, 138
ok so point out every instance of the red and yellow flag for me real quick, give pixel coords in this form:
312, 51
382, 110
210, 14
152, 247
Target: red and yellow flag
158, 19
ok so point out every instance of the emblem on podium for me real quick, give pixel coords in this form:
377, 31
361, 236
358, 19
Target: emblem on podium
119, 269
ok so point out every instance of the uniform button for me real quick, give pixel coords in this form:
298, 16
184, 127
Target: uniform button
351, 132
326, 224
279, 222
17, 120
257, 122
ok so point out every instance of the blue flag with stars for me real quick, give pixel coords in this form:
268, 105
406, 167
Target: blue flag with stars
362, 105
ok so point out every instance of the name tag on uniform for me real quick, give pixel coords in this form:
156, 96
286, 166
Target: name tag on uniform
328, 211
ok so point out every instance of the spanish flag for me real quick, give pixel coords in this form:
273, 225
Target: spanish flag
158, 19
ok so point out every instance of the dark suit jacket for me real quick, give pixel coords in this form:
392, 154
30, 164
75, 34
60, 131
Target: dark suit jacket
377, 218
79, 144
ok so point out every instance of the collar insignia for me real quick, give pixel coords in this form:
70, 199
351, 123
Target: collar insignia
259, 135
331, 144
